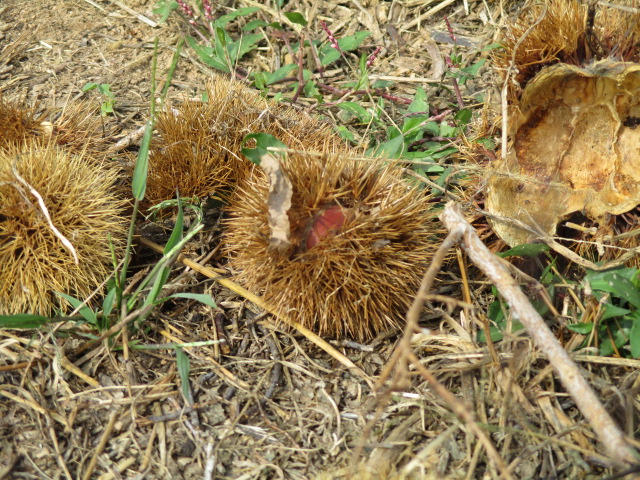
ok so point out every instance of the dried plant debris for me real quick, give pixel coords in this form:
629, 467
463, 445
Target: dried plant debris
360, 240
573, 127
58, 213
197, 149
278, 202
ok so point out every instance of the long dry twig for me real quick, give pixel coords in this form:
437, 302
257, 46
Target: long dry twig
585, 398
403, 357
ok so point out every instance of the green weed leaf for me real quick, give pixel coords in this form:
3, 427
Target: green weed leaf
612, 311
108, 302
463, 117
525, 250
391, 148
221, 39
208, 56
620, 334
351, 42
200, 297
164, 9
311, 90
244, 46
263, 142
346, 134
222, 21
280, 73
413, 125
581, 328
89, 86
297, 18
419, 103
184, 368
139, 183
328, 54
617, 282
177, 232
493, 46
355, 109
253, 24
108, 98
472, 70
634, 335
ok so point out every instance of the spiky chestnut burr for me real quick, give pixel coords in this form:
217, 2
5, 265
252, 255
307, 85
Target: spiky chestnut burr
77, 127
566, 31
80, 129
197, 149
18, 121
361, 239
80, 201
572, 121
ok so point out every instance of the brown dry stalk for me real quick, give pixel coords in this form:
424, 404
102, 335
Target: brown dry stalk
106, 435
585, 398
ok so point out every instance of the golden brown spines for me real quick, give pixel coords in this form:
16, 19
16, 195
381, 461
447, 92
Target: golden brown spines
356, 280
197, 148
80, 200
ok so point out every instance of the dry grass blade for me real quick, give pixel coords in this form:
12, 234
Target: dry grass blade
45, 212
106, 434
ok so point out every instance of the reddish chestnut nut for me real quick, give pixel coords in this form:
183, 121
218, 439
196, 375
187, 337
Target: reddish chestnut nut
326, 223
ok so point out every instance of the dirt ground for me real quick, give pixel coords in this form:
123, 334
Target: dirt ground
274, 405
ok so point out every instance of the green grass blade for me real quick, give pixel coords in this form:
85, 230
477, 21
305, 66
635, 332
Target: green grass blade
172, 69
139, 184
200, 297
86, 312
23, 320
184, 367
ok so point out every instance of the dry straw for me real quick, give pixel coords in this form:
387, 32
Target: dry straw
361, 237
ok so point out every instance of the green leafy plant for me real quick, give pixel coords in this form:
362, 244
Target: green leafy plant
614, 326
108, 97
424, 137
